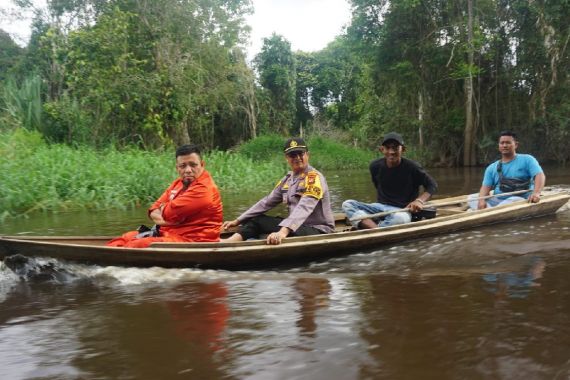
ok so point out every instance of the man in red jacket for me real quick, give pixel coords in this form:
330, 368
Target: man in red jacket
190, 210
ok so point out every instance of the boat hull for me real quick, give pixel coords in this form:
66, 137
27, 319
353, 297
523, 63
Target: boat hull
256, 254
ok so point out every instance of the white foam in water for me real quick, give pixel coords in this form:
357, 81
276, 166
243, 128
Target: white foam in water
108, 275
130, 276
7, 280
142, 276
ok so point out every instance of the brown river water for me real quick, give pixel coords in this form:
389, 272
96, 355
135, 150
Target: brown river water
489, 303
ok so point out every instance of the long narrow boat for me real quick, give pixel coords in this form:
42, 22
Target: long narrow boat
296, 250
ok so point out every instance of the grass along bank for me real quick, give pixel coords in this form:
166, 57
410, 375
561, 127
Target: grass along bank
325, 154
37, 176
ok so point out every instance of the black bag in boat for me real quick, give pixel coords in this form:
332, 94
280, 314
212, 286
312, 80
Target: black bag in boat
144, 231
426, 213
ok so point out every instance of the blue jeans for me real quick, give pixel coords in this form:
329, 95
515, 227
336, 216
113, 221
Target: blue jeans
355, 209
492, 202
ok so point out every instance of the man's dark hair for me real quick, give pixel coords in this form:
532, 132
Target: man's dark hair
508, 133
185, 150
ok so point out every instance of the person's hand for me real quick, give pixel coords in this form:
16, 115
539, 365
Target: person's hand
229, 224
275, 238
534, 198
416, 205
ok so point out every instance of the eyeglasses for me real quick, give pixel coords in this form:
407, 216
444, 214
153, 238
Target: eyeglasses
295, 154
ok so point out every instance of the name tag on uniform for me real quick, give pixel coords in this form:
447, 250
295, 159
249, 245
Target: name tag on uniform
284, 191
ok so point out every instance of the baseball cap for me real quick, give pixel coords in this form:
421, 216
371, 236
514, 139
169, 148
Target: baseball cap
393, 136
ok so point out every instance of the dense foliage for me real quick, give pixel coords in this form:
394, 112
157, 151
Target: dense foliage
449, 75
51, 177
453, 74
140, 71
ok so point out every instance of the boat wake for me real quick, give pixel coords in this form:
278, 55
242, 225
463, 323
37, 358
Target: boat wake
19, 268
38, 270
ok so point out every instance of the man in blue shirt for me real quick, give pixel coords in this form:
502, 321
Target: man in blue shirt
512, 169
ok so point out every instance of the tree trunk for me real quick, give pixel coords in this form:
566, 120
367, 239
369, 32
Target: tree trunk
469, 138
181, 135
251, 110
554, 51
421, 119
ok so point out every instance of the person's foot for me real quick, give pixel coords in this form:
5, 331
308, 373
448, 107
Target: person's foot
367, 224
235, 237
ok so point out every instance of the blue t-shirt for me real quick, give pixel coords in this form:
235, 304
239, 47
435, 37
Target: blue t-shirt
523, 166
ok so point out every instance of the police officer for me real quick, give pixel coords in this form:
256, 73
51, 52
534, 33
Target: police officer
304, 189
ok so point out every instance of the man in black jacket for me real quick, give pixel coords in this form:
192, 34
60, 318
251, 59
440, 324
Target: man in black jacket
397, 181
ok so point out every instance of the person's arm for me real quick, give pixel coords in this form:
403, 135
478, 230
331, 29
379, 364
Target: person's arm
483, 192
490, 181
539, 182
418, 204
229, 224
430, 187
155, 210
262, 206
195, 199
536, 172
374, 168
156, 216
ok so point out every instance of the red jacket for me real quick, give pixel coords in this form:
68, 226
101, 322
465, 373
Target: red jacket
195, 214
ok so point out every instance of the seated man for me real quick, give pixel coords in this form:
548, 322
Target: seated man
306, 194
513, 172
190, 210
397, 181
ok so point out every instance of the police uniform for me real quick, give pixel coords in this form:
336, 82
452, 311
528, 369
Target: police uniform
308, 201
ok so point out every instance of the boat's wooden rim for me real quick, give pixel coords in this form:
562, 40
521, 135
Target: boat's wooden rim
290, 243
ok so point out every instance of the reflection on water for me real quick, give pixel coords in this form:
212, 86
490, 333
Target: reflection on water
200, 313
516, 284
314, 294
487, 303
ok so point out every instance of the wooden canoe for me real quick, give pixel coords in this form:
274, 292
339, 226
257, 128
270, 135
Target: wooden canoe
295, 250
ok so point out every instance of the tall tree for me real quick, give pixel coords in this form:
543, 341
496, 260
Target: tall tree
10, 54
469, 158
277, 75
146, 72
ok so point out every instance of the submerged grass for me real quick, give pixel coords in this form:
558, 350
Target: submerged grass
37, 176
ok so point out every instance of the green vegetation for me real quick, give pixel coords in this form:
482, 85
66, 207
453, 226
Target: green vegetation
49, 177
156, 74
38, 176
326, 154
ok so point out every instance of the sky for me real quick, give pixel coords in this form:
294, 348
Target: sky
308, 24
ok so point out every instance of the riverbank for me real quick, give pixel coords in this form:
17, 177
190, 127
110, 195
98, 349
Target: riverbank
54, 177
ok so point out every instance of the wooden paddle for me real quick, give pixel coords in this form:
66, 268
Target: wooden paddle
435, 205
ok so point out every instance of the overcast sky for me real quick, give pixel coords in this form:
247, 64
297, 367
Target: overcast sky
308, 24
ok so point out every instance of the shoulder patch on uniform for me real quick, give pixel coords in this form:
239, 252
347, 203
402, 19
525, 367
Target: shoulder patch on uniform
313, 186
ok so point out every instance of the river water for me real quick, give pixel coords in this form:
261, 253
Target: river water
493, 302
